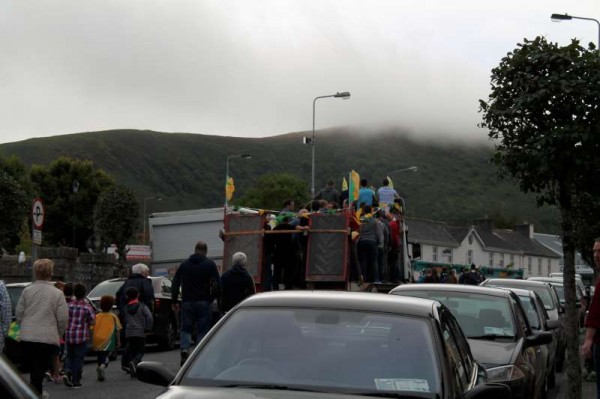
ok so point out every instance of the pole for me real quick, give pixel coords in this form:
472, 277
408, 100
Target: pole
144, 217
405, 261
312, 143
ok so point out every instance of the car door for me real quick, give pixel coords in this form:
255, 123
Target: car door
531, 358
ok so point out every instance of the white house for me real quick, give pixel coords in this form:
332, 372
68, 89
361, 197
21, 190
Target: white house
483, 245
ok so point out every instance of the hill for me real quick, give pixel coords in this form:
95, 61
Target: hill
455, 181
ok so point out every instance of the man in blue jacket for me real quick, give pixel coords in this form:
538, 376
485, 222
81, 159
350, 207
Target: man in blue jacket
200, 284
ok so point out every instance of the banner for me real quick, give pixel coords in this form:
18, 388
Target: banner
354, 186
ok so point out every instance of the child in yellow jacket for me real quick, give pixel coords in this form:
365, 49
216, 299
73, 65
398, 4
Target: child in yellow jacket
107, 337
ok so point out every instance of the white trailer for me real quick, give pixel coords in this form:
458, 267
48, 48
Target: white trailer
173, 236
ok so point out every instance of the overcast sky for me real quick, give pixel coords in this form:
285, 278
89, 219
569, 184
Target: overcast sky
253, 67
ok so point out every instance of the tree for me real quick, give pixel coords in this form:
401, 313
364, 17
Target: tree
273, 189
13, 210
116, 217
543, 114
69, 188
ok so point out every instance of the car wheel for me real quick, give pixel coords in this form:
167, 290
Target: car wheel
169, 340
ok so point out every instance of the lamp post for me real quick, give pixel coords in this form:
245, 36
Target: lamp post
75, 189
565, 17
144, 215
343, 95
243, 156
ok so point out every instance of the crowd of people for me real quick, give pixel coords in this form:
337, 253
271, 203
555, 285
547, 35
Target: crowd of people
469, 276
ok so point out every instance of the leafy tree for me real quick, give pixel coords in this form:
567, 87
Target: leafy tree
13, 210
543, 114
273, 189
69, 188
116, 217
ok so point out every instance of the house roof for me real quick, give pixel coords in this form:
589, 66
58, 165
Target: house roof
422, 231
529, 246
554, 243
458, 232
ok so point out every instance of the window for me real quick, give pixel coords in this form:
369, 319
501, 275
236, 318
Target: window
457, 363
435, 254
548, 262
470, 256
529, 263
539, 266
491, 262
512, 260
501, 260
447, 254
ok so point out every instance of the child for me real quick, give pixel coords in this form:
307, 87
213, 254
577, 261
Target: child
81, 317
106, 334
138, 320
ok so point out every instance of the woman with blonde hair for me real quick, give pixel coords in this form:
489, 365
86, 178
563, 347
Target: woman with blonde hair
42, 316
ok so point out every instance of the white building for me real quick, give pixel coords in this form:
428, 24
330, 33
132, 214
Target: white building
483, 245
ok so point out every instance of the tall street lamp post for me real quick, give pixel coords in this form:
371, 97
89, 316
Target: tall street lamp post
75, 189
243, 156
344, 95
144, 215
565, 17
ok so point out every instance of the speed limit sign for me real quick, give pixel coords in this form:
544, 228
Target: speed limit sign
38, 214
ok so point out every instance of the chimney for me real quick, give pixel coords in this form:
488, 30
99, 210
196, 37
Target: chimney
485, 224
525, 229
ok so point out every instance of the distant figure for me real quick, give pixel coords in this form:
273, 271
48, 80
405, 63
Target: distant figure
367, 246
107, 337
236, 283
138, 279
329, 193
471, 277
81, 317
284, 256
431, 276
138, 321
366, 196
288, 206
5, 314
42, 316
200, 284
386, 194
451, 278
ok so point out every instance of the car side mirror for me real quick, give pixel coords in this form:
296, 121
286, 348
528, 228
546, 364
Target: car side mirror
538, 338
154, 373
489, 391
552, 324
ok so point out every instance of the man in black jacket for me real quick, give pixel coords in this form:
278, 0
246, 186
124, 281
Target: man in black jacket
200, 284
236, 282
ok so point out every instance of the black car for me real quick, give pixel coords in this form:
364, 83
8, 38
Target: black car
498, 332
317, 344
164, 331
12, 385
549, 297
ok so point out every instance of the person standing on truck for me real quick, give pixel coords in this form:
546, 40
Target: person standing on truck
200, 284
329, 193
365, 194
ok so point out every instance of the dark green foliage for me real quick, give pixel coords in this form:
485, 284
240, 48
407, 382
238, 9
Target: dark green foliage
69, 215
13, 210
543, 113
116, 216
273, 189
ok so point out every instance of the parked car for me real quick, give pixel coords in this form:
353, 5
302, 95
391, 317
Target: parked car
549, 298
498, 332
581, 296
539, 321
164, 331
342, 344
12, 385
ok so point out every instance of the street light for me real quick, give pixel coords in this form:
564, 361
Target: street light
343, 95
144, 215
243, 156
412, 169
565, 17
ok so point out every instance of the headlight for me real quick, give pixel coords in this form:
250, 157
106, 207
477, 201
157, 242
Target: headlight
504, 374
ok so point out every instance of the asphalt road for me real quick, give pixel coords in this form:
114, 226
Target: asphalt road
118, 384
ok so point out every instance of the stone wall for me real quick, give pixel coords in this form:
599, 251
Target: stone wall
69, 266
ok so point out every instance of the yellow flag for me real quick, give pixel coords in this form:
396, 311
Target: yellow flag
229, 188
354, 186
344, 184
391, 185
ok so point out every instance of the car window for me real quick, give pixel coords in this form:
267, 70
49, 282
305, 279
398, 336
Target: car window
478, 315
455, 355
306, 347
15, 294
542, 290
531, 312
106, 288
165, 286
521, 317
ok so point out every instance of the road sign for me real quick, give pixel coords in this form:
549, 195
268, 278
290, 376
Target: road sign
38, 213
37, 237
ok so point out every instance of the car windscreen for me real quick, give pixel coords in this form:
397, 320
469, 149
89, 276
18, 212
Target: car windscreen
530, 311
106, 288
480, 316
15, 294
322, 350
542, 290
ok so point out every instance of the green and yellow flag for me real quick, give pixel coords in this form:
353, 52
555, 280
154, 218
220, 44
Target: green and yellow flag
229, 188
391, 185
344, 184
354, 186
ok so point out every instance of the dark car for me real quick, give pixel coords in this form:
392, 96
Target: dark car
549, 297
498, 332
12, 385
164, 331
323, 344
580, 295
539, 321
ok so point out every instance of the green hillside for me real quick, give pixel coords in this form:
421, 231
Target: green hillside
455, 181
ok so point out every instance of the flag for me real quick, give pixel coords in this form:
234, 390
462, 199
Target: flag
229, 188
391, 185
344, 184
354, 186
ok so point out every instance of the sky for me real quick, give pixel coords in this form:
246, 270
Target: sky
252, 68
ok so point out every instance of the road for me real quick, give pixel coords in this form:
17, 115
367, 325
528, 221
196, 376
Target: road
118, 384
